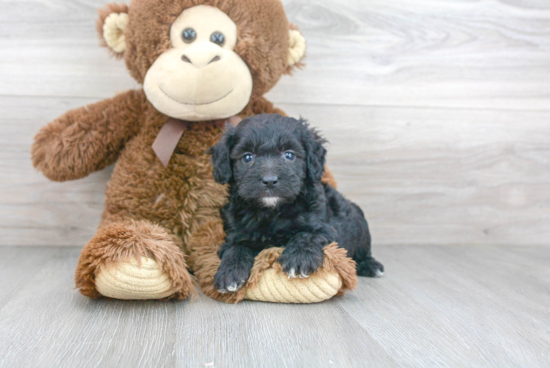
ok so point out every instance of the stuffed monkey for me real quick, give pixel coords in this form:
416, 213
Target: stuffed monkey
202, 64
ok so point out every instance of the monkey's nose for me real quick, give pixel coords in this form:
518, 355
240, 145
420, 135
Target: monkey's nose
270, 181
214, 59
200, 63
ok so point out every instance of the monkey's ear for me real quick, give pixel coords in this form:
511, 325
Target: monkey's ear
297, 48
221, 157
111, 25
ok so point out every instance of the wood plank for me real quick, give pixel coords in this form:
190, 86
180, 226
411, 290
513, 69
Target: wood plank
49, 324
469, 306
274, 335
169, 333
423, 176
18, 266
430, 176
436, 306
468, 54
48, 224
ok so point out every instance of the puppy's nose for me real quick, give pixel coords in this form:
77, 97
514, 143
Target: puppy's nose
270, 181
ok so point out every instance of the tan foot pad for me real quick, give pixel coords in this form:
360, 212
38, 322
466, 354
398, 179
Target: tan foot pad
128, 280
275, 286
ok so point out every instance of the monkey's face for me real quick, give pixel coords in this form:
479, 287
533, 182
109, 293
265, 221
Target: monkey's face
200, 77
203, 62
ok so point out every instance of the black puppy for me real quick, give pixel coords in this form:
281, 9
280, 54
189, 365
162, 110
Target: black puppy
274, 167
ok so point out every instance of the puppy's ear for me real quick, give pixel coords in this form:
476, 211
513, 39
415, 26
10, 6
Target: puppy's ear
315, 153
221, 159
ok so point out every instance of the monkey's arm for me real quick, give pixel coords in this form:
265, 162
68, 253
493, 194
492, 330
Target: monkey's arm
89, 138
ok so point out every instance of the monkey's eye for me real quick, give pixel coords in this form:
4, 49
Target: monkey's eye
247, 158
189, 35
218, 38
290, 156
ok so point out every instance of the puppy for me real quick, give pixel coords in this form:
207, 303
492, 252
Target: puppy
274, 167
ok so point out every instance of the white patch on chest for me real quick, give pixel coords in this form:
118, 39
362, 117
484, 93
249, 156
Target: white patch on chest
270, 201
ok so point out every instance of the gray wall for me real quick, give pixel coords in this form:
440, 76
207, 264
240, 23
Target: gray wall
438, 114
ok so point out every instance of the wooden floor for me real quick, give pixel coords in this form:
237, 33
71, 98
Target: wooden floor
437, 306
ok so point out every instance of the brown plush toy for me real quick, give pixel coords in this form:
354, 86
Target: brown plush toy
202, 64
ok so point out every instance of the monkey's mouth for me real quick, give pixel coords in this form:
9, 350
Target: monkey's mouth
195, 103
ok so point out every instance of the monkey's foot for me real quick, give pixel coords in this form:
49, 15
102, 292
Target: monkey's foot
133, 260
130, 280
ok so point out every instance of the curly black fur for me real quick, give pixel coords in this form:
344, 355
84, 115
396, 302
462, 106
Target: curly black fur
274, 167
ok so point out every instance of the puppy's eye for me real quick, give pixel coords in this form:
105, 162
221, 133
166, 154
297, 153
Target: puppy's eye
218, 38
247, 158
189, 35
290, 156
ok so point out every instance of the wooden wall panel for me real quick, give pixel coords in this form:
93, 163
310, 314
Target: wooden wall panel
437, 112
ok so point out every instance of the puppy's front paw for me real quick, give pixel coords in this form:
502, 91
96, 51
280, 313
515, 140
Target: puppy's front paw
231, 278
301, 262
